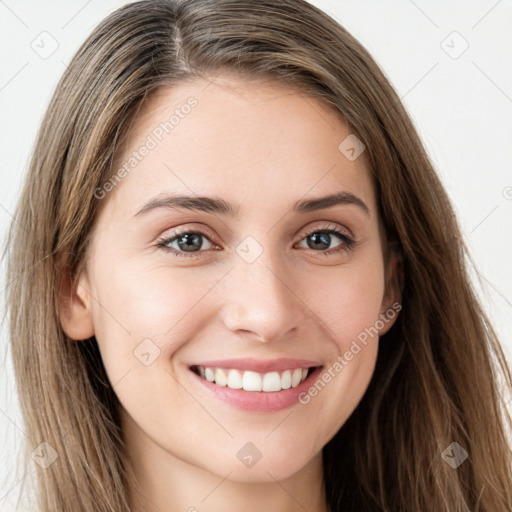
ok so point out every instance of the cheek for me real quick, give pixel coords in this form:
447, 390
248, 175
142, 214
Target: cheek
348, 305
346, 300
140, 309
142, 317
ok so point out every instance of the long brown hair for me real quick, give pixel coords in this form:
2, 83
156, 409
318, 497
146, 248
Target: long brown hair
437, 376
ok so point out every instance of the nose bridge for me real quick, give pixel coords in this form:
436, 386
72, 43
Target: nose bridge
257, 295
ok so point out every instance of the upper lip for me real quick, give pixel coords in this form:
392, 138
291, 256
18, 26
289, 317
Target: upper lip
259, 365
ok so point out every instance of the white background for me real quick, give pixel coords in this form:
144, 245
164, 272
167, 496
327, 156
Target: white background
461, 106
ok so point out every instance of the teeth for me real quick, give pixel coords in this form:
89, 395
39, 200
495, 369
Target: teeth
208, 373
253, 381
286, 379
296, 377
234, 380
220, 377
271, 382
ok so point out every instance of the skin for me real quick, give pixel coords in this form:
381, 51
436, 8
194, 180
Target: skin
263, 147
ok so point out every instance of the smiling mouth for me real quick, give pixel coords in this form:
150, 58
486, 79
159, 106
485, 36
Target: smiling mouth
269, 382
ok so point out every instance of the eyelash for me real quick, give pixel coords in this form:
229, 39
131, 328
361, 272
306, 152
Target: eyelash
347, 244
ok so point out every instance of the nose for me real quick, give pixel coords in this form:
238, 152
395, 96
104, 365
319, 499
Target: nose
260, 301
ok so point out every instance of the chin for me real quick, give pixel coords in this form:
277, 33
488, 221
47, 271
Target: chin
273, 465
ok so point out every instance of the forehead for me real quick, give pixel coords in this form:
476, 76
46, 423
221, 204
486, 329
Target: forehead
239, 140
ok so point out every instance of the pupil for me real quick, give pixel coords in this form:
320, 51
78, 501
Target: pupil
320, 238
191, 239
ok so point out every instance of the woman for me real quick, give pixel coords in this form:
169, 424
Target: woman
240, 284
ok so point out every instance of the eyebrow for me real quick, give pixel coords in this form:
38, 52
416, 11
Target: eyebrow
220, 206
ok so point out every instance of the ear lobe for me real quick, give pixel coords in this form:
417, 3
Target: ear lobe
391, 302
75, 314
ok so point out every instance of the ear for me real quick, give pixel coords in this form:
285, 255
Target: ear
75, 313
392, 299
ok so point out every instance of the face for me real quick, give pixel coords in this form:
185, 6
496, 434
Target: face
237, 327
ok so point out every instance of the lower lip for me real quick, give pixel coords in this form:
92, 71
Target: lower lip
259, 401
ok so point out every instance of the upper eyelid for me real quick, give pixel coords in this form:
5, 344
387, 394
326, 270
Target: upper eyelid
329, 227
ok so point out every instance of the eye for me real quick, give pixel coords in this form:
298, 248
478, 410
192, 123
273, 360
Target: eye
320, 239
185, 242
